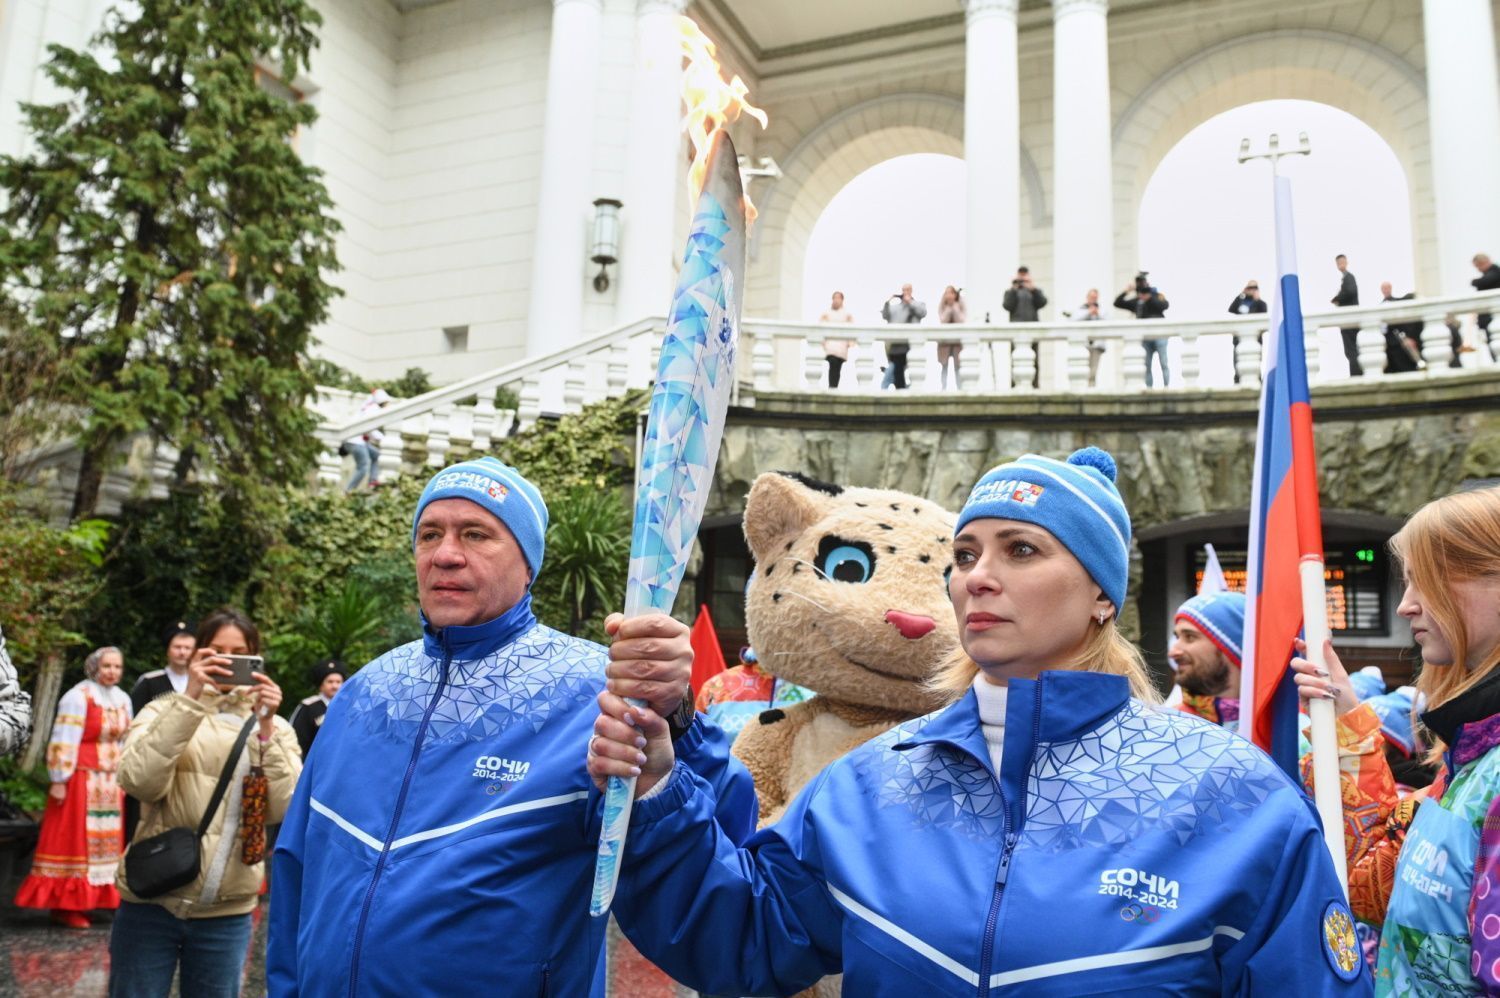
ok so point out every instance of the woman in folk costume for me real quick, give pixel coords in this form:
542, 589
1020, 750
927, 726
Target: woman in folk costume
1425, 868
1052, 831
73, 871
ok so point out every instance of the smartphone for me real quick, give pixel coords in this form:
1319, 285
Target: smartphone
240, 667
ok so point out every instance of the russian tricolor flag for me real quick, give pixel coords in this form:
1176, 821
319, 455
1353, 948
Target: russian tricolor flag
1285, 524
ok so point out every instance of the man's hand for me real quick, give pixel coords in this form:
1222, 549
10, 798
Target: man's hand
650, 658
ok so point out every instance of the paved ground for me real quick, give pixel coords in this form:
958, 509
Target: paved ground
42, 960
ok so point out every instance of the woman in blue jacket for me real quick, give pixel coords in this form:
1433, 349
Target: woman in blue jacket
1051, 832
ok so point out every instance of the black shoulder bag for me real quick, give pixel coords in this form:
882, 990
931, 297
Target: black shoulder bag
167, 861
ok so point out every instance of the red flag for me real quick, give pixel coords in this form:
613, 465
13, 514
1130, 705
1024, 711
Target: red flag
708, 657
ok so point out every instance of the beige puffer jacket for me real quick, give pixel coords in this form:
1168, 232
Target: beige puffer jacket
173, 755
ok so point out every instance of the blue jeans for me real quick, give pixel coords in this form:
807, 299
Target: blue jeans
366, 466
148, 943
1157, 348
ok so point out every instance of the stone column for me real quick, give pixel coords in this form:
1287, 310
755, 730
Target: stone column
558, 263
653, 162
1463, 109
1083, 232
992, 115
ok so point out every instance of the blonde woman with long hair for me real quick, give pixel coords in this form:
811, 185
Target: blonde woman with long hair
1426, 868
1051, 831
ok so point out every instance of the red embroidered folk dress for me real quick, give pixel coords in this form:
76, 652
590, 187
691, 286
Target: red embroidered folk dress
82, 836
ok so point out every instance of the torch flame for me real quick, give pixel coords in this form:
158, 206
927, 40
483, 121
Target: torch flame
711, 104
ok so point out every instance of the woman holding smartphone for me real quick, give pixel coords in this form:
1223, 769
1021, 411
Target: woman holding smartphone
1051, 832
176, 750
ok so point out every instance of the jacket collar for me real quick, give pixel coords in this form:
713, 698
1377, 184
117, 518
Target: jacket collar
236, 701
1071, 703
478, 640
1456, 721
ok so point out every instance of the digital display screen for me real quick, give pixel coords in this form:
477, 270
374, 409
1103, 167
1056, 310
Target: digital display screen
1354, 577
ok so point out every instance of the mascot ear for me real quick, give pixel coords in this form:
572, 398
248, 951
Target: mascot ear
780, 507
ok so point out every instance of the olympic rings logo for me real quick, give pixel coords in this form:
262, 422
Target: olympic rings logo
1146, 914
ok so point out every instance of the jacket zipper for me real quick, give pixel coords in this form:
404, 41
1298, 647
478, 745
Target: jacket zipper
1012, 836
390, 835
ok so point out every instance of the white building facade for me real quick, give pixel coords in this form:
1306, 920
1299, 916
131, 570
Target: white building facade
465, 141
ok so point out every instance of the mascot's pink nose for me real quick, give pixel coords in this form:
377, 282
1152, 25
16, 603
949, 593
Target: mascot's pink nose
911, 625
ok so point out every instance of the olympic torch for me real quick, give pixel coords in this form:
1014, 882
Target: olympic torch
686, 422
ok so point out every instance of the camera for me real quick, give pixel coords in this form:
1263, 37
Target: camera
1142, 282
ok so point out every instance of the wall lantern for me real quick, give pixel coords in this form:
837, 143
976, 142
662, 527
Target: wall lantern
606, 245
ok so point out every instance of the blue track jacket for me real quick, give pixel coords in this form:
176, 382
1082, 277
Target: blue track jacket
441, 840
1124, 850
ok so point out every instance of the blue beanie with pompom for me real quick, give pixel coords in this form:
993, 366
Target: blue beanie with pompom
1075, 500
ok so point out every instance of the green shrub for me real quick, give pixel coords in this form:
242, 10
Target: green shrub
172, 559
588, 557
50, 574
26, 789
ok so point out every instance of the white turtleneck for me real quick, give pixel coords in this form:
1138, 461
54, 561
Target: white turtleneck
992, 700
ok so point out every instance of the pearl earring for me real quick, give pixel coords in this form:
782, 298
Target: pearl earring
1102, 615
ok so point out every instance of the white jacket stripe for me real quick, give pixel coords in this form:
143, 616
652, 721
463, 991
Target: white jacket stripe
1038, 972
1122, 959
437, 833
899, 934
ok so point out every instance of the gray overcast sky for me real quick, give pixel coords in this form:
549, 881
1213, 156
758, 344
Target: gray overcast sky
1205, 221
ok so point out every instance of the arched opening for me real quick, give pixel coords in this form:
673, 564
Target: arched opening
1363, 585
901, 221
1206, 227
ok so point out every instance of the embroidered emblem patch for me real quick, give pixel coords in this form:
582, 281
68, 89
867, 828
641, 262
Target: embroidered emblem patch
1027, 494
1340, 943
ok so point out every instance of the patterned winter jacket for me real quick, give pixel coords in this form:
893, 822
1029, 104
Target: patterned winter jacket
1426, 867
442, 839
1121, 849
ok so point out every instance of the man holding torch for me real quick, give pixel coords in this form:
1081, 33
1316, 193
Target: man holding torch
444, 833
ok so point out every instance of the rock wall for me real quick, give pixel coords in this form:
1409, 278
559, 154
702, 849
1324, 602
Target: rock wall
1382, 449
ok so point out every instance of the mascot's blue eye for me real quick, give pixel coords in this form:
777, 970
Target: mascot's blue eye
841, 560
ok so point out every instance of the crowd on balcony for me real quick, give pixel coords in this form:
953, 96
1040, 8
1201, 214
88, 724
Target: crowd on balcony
1024, 300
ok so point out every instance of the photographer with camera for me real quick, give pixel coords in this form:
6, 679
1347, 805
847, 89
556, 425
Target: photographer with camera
1024, 301
215, 760
899, 309
1146, 302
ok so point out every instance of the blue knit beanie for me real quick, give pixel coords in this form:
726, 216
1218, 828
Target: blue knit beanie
1221, 618
1075, 500
499, 489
